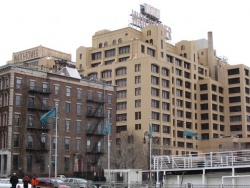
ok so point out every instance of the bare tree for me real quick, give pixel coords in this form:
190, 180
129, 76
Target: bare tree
129, 152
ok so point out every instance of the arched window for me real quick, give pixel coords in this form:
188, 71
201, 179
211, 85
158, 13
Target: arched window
93, 75
151, 41
146, 41
100, 45
119, 40
105, 44
185, 55
114, 41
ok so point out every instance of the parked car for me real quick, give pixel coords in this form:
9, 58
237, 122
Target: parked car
6, 183
91, 184
76, 182
50, 182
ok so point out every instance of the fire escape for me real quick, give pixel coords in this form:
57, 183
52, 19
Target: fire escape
37, 107
94, 133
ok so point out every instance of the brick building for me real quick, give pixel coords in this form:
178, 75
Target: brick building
83, 106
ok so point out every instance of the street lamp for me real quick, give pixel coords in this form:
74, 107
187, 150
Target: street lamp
49, 150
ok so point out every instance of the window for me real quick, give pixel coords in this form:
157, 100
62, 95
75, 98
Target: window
109, 99
137, 115
78, 126
234, 81
165, 72
154, 68
121, 105
97, 55
32, 85
178, 82
142, 49
155, 115
154, 80
137, 79
137, 67
166, 129
165, 106
68, 91
155, 103
119, 40
16, 140
150, 52
137, 126
17, 120
155, 92
30, 142
166, 117
178, 62
178, 72
79, 94
165, 94
66, 143
78, 144
67, 125
138, 103
107, 74
57, 88
121, 82
121, 71
121, 94
18, 100
137, 91
123, 59
179, 92
78, 109
66, 164
233, 71
165, 83
109, 53
124, 49
68, 105
18, 83
30, 120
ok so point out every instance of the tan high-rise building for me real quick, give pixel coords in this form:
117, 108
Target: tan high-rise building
171, 87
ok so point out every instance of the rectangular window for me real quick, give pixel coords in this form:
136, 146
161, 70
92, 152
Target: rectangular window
45, 87
78, 144
137, 115
138, 103
109, 99
78, 126
68, 91
66, 143
18, 100
137, 79
66, 164
57, 88
67, 125
121, 94
137, 91
137, 67
109, 53
150, 52
68, 105
124, 49
32, 85
97, 55
121, 82
16, 140
18, 83
78, 109
30, 121
79, 94
17, 120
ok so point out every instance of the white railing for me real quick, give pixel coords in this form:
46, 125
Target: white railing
202, 160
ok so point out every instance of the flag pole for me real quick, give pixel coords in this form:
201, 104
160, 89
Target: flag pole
185, 141
108, 153
150, 145
56, 143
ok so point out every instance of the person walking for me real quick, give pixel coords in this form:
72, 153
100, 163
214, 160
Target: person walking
14, 180
34, 181
26, 181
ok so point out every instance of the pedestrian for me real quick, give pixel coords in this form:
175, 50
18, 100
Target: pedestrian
26, 181
14, 180
34, 181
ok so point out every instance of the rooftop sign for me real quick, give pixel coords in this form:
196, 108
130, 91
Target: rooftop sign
148, 15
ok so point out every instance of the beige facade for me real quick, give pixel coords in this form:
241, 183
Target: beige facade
173, 87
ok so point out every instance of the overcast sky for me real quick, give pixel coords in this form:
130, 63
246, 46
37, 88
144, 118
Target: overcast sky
64, 25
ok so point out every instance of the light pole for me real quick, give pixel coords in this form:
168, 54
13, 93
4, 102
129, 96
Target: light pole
49, 150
